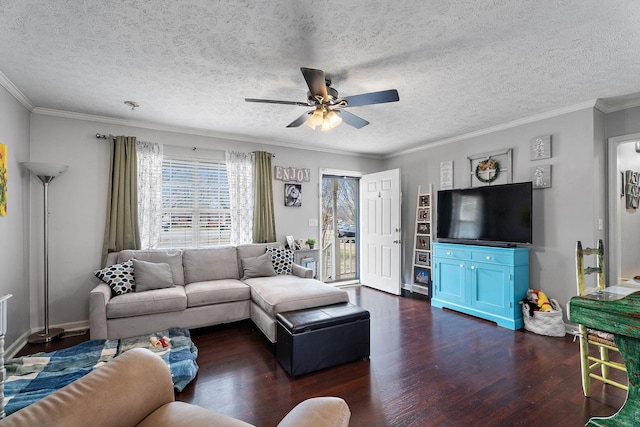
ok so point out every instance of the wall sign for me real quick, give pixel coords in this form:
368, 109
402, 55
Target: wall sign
540, 147
446, 175
541, 176
291, 174
632, 189
3, 179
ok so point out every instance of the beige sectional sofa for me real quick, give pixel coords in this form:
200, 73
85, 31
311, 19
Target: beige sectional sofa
209, 288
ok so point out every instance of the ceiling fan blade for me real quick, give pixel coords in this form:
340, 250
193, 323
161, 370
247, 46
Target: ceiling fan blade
352, 119
316, 82
390, 95
300, 120
273, 101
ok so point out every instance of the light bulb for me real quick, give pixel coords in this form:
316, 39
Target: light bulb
316, 118
308, 123
334, 118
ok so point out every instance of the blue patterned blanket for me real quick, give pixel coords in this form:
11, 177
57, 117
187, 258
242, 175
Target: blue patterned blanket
33, 377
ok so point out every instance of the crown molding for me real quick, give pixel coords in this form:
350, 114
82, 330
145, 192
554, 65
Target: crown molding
17, 93
192, 131
608, 108
549, 114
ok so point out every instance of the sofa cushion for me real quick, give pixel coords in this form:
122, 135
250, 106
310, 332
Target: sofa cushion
150, 302
282, 259
151, 275
173, 257
119, 277
201, 265
259, 266
251, 250
216, 292
282, 293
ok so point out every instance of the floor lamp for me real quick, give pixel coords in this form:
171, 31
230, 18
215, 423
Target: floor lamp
47, 172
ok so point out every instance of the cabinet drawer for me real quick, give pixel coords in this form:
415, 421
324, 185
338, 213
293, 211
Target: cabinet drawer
491, 257
449, 253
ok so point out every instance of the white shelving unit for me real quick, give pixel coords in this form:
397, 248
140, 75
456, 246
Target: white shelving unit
3, 331
307, 258
422, 261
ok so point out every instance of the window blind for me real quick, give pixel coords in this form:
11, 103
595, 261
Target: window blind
195, 203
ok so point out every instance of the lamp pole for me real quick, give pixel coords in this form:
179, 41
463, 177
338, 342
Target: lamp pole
46, 173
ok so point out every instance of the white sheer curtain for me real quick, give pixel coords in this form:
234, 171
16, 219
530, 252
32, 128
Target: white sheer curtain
149, 192
240, 177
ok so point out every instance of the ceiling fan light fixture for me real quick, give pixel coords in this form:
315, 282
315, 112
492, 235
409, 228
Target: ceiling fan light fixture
326, 103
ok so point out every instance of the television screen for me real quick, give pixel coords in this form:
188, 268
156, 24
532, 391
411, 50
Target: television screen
497, 213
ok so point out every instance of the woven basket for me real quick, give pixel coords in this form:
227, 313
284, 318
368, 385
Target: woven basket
548, 323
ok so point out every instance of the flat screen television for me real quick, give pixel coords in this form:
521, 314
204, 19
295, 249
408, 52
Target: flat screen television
496, 214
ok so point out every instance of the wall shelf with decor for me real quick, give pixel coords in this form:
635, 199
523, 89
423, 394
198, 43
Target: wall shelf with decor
307, 258
421, 280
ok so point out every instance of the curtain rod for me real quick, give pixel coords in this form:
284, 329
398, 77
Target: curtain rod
102, 136
272, 154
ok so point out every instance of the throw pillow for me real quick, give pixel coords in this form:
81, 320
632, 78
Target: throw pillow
119, 277
282, 259
151, 275
259, 266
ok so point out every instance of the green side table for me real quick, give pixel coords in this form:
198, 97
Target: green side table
607, 311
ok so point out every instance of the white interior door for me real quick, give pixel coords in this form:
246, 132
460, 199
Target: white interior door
380, 231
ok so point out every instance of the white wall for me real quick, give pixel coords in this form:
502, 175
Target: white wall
563, 214
14, 231
77, 201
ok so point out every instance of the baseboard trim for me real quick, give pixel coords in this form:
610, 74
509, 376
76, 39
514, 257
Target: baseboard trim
422, 290
17, 345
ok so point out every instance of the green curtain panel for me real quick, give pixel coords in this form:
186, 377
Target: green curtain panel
264, 224
121, 229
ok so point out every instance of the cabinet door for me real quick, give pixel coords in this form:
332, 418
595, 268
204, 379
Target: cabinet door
450, 281
490, 286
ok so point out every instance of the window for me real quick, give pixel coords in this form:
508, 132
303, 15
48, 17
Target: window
195, 203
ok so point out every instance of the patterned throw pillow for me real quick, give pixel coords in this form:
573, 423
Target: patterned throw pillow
119, 277
282, 259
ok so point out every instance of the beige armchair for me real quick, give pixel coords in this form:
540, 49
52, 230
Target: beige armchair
135, 389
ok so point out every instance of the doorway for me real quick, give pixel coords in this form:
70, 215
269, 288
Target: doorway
340, 199
380, 213
622, 259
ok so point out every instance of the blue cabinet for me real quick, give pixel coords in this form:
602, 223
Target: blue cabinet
483, 281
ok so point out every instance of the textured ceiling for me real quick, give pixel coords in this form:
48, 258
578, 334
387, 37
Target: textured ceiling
459, 66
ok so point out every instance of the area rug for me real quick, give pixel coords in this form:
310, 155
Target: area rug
30, 378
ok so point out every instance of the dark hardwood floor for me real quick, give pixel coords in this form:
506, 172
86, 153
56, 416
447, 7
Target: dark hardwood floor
428, 367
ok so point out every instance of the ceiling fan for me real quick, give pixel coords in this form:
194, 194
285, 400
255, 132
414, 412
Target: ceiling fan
329, 109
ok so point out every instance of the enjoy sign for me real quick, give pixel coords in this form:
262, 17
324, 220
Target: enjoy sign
291, 174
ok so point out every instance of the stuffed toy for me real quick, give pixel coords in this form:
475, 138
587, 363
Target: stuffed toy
531, 306
157, 342
540, 299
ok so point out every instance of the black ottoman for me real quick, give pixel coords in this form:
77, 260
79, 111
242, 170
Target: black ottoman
316, 338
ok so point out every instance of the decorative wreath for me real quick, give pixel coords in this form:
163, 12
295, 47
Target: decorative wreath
487, 165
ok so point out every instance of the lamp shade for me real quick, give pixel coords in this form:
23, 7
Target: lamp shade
45, 171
